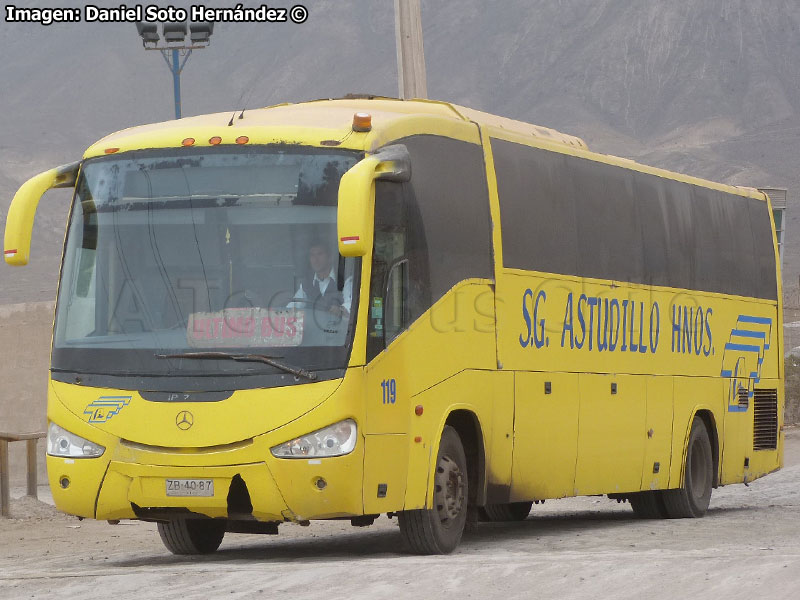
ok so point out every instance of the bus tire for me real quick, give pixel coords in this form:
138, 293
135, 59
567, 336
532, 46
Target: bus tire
691, 500
513, 511
648, 505
191, 536
439, 530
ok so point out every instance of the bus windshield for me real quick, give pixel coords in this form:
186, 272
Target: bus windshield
226, 250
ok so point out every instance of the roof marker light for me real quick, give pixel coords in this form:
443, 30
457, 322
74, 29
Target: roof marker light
242, 139
188, 142
362, 122
111, 150
215, 141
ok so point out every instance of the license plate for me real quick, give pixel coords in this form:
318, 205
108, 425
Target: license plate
190, 487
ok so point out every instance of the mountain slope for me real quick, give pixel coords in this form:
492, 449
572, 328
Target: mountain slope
709, 88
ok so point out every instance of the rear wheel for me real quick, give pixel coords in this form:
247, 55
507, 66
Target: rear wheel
514, 511
691, 501
192, 536
439, 530
648, 505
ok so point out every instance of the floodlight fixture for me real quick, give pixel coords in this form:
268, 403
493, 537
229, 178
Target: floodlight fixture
148, 32
174, 32
200, 32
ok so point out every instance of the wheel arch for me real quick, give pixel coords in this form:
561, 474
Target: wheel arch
706, 415
468, 426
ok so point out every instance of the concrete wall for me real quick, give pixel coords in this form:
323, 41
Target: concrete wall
791, 328
25, 334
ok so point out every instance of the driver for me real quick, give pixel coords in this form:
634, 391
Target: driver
318, 288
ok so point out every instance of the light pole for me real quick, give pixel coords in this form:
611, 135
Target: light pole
174, 35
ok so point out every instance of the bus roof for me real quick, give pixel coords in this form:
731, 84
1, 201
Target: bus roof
329, 122
315, 121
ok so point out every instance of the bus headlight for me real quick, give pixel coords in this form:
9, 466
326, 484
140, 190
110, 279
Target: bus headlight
335, 440
61, 442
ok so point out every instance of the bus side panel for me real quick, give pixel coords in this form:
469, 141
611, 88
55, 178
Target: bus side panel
457, 333
658, 445
610, 434
737, 444
545, 435
385, 472
500, 447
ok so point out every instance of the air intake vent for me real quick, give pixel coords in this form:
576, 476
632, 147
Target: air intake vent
765, 421
744, 397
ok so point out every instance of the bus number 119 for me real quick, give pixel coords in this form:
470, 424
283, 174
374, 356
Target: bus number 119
389, 388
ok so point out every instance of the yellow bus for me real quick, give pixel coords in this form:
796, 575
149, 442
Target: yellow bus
347, 308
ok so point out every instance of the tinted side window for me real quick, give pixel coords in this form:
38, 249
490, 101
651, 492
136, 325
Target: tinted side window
569, 215
679, 229
765, 254
609, 238
655, 215
562, 214
398, 241
713, 242
448, 186
537, 210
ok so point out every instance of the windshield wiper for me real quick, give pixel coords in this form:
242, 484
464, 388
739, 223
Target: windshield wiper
262, 358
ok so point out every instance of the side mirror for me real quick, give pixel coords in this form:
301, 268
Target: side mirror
356, 211
19, 224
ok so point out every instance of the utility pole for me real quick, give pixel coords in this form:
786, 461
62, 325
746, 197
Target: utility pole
411, 78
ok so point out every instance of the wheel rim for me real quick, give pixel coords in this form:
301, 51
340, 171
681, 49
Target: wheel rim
450, 493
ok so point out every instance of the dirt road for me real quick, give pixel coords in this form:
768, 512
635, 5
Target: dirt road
748, 546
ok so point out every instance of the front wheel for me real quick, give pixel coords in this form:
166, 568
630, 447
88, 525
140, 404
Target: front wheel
191, 536
691, 501
439, 530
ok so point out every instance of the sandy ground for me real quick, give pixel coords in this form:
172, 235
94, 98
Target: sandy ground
747, 546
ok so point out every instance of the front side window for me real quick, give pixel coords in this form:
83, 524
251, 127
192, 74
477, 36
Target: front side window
198, 251
400, 287
431, 233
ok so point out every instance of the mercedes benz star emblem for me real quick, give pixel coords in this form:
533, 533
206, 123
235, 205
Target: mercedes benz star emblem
184, 420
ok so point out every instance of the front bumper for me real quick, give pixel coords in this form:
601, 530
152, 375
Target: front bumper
131, 473
279, 489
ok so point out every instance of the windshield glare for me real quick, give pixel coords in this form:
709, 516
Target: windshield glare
199, 250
